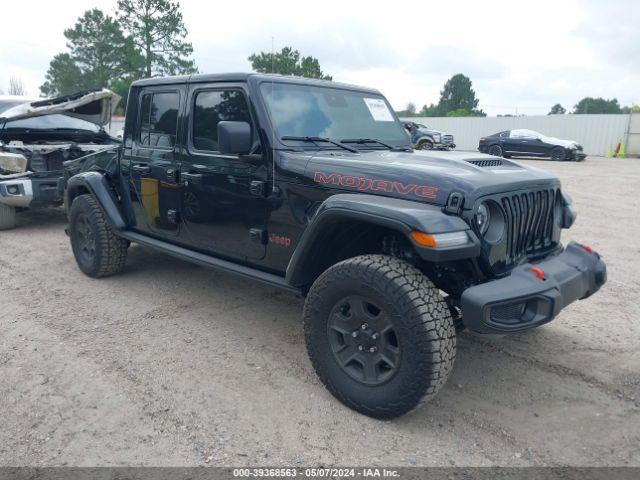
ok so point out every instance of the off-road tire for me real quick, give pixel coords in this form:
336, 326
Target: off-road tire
425, 331
110, 251
7, 217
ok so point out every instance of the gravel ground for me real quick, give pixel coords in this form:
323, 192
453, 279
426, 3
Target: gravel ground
173, 364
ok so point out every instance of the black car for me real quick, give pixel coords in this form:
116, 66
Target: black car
313, 187
528, 143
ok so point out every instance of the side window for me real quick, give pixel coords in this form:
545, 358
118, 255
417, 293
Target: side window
159, 119
212, 107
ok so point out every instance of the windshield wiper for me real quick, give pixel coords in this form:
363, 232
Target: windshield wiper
319, 139
363, 141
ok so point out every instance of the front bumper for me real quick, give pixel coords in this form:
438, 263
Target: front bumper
16, 192
578, 155
523, 300
24, 192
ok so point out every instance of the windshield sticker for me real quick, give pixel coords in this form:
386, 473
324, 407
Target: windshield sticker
378, 109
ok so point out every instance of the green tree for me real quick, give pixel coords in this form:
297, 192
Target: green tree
287, 62
429, 111
158, 33
99, 54
460, 112
409, 111
457, 94
557, 109
597, 105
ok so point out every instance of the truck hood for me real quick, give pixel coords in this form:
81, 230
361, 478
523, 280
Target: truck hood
94, 106
429, 131
428, 176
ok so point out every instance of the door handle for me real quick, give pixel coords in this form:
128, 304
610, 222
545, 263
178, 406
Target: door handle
142, 169
191, 177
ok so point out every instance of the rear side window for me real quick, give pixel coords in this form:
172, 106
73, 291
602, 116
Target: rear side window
159, 119
212, 107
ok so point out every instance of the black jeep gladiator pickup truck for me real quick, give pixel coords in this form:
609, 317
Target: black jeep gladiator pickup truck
313, 187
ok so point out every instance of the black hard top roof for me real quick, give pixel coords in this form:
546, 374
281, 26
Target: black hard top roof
243, 77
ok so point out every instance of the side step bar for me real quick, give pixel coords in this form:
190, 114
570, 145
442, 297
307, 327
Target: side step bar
209, 261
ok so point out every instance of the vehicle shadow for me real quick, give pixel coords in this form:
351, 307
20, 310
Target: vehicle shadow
40, 218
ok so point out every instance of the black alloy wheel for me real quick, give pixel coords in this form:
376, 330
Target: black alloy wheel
363, 340
495, 150
86, 238
558, 154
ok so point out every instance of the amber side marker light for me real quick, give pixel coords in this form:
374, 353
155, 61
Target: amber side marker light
440, 240
424, 239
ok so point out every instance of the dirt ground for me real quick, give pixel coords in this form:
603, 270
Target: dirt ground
174, 364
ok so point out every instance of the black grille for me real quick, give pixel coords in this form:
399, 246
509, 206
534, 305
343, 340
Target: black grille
487, 163
529, 220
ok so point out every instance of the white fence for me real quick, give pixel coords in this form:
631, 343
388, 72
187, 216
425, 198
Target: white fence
596, 133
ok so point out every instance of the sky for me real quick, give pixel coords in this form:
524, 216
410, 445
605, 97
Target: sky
522, 57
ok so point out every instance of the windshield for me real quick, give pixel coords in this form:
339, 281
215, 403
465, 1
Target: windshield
54, 121
310, 111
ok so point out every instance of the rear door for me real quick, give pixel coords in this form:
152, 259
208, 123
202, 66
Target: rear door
224, 207
154, 161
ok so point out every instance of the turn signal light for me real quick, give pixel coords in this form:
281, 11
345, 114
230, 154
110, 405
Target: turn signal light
424, 239
440, 240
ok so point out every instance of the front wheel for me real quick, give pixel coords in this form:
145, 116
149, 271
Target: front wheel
425, 145
98, 251
558, 154
379, 335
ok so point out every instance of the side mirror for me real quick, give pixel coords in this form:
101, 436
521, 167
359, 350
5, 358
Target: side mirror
234, 137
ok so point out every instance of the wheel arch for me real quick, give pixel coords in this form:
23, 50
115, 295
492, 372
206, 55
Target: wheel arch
424, 138
96, 185
348, 225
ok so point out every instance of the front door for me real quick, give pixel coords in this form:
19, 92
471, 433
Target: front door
224, 206
153, 163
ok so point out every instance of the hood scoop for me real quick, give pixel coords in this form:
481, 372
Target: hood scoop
487, 163
494, 163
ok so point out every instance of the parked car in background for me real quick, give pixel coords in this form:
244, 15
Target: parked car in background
425, 138
528, 143
38, 135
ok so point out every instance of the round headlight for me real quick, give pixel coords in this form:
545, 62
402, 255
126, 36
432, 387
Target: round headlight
483, 217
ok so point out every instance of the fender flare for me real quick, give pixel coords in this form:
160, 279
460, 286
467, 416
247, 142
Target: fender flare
425, 137
97, 185
403, 216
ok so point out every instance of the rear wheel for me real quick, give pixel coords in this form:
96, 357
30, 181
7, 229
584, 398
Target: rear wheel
496, 150
379, 335
7, 217
98, 251
558, 154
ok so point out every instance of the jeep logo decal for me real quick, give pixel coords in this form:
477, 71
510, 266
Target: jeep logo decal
375, 185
